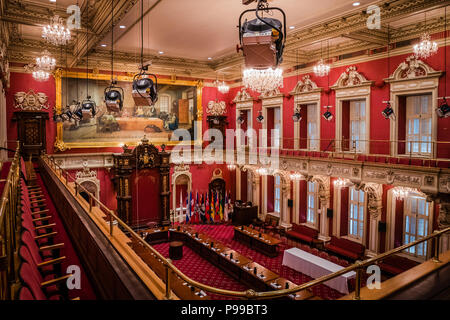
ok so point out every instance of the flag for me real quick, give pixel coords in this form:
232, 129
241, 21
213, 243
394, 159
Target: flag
191, 206
181, 203
187, 209
217, 209
226, 208
207, 208
212, 207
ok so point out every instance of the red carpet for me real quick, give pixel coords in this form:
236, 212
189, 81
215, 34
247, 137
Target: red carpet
201, 270
86, 292
225, 233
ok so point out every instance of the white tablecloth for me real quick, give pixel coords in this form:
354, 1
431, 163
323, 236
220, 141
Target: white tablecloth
317, 267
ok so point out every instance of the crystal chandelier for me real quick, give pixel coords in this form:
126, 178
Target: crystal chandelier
321, 69
295, 176
425, 48
56, 33
45, 62
263, 80
340, 183
41, 75
402, 192
222, 87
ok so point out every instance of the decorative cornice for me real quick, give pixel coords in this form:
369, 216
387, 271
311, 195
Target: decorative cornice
351, 78
304, 86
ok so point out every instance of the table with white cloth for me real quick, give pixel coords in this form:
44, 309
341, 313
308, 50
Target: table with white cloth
317, 267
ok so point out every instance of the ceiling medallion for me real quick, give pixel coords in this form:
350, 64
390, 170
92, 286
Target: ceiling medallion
425, 48
321, 69
263, 80
56, 32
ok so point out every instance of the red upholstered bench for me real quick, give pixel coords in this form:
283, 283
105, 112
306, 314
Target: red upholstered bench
301, 232
396, 264
346, 248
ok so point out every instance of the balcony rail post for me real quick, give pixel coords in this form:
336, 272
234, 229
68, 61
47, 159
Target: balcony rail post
359, 271
90, 202
436, 248
110, 222
168, 282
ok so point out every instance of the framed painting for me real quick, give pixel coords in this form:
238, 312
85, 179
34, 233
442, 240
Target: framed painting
179, 106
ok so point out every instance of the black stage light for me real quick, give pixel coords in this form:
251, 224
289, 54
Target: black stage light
297, 115
260, 118
388, 112
114, 97
443, 111
328, 115
145, 90
240, 119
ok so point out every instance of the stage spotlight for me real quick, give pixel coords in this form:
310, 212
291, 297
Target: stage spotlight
388, 112
328, 115
297, 115
443, 111
240, 119
260, 118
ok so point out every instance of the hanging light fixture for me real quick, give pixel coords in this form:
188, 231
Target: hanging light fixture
262, 40
263, 80
145, 89
88, 106
222, 87
388, 112
296, 117
56, 32
340, 183
328, 115
425, 48
45, 61
321, 69
295, 176
240, 120
113, 93
260, 117
41, 75
443, 111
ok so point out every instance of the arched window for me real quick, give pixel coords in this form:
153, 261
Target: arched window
356, 214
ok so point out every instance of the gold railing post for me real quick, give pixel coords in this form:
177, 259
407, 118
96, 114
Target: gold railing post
90, 202
436, 249
168, 282
358, 281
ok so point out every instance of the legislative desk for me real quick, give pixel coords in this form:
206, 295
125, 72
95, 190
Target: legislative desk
280, 283
243, 215
265, 244
230, 261
257, 280
157, 235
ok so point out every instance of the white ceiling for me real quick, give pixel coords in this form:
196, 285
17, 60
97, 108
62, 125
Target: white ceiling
198, 29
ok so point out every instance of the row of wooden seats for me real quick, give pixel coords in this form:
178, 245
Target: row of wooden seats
40, 272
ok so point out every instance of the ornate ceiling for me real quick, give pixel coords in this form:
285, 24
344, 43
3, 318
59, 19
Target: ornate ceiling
190, 31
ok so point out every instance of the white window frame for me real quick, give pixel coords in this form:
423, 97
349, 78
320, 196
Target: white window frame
307, 98
274, 101
360, 236
339, 104
277, 199
158, 104
418, 140
408, 215
357, 120
239, 136
313, 142
312, 197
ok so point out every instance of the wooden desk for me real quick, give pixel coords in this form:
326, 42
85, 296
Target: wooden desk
244, 215
185, 291
259, 279
233, 268
265, 244
158, 235
280, 283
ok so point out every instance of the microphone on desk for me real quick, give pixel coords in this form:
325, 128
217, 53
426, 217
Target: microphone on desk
287, 285
254, 270
231, 255
196, 234
192, 288
212, 244
178, 228
260, 234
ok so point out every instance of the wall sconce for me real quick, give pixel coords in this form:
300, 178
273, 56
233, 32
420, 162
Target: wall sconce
328, 115
260, 117
297, 115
